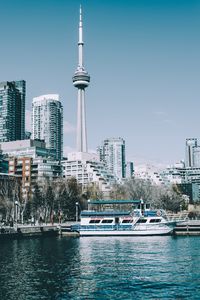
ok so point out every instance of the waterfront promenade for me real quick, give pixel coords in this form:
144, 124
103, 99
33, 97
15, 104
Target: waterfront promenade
187, 228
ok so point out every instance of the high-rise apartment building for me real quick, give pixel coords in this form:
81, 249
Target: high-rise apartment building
112, 152
196, 156
47, 122
12, 110
129, 169
191, 144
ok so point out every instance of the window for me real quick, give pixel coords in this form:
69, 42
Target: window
94, 221
127, 221
142, 221
155, 221
107, 221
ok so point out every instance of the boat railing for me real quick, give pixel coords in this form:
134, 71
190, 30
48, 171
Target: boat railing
179, 217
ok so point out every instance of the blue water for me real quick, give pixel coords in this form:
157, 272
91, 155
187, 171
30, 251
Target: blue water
100, 268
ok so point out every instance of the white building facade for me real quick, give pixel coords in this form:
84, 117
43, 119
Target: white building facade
112, 153
87, 169
47, 122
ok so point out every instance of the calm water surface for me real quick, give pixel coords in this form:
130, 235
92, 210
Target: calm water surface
100, 268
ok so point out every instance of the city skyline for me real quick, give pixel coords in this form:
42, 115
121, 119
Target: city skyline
143, 57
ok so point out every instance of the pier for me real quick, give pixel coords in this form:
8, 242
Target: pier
22, 231
190, 228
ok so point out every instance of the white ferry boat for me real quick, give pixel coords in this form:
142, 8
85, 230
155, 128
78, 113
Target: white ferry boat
108, 219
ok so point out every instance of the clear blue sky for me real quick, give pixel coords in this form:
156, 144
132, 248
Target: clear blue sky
143, 58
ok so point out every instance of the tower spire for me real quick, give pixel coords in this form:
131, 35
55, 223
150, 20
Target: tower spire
80, 41
81, 80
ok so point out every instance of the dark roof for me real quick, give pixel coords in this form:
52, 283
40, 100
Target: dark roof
114, 202
87, 213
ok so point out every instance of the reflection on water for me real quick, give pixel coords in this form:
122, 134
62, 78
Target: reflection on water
100, 268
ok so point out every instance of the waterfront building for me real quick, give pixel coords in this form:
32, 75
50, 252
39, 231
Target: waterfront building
12, 110
47, 122
173, 174
179, 174
150, 173
112, 153
87, 169
129, 169
33, 170
81, 80
190, 145
27, 148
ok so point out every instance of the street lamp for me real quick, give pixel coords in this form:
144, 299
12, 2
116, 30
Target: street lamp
16, 212
76, 211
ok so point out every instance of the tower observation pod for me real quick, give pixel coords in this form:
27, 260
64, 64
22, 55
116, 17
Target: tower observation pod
81, 80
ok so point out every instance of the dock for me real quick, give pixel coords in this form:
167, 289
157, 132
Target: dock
188, 228
23, 231
66, 229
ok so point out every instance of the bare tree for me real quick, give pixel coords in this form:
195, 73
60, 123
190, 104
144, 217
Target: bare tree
165, 197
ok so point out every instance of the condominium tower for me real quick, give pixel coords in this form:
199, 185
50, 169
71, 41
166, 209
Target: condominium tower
190, 145
12, 110
112, 152
47, 122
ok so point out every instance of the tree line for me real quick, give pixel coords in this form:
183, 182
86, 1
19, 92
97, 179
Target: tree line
55, 201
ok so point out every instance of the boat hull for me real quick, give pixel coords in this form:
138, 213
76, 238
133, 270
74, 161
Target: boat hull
165, 231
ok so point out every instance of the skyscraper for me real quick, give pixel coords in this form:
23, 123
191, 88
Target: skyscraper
81, 80
47, 122
21, 86
129, 169
190, 144
112, 152
12, 110
196, 156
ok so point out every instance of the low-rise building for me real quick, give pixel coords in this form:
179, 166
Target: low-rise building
150, 173
32, 170
86, 168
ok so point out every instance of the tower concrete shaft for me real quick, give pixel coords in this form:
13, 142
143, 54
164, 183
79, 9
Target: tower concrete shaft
81, 80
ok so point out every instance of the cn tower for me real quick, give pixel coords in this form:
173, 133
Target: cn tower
81, 80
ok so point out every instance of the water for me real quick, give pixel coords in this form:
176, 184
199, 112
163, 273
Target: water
100, 268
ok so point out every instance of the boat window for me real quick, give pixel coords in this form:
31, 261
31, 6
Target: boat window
155, 221
142, 221
94, 221
107, 221
127, 221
